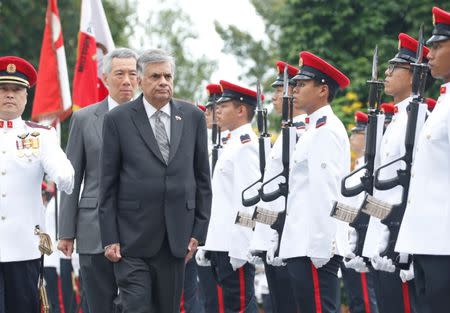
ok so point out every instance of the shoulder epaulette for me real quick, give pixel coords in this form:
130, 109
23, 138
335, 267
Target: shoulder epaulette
245, 138
36, 125
321, 121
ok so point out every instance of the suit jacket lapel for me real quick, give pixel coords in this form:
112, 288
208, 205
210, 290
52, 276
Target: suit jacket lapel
100, 112
142, 123
176, 128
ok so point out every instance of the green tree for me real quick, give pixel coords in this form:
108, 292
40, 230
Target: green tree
344, 32
170, 29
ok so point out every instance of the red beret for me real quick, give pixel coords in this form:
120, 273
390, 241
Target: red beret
313, 67
431, 103
15, 70
441, 22
235, 92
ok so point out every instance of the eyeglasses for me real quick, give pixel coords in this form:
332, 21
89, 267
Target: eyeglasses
393, 66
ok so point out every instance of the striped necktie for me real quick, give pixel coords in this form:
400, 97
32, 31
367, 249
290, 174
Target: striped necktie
161, 136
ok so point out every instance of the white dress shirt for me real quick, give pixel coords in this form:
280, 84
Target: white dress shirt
165, 117
112, 103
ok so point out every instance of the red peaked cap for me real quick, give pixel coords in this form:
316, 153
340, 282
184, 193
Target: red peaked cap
441, 22
431, 103
313, 67
15, 70
201, 107
234, 92
407, 50
388, 107
214, 93
361, 120
292, 71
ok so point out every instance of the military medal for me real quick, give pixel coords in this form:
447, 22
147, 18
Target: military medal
35, 143
20, 145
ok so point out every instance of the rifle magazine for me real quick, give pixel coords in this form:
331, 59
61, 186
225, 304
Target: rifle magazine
265, 216
376, 208
343, 212
245, 220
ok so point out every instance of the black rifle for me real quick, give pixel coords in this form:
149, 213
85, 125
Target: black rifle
277, 219
217, 145
392, 215
264, 146
354, 216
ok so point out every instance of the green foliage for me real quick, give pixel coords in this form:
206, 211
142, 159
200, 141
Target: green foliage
344, 32
169, 29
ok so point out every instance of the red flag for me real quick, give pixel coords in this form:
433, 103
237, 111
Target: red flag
52, 97
94, 41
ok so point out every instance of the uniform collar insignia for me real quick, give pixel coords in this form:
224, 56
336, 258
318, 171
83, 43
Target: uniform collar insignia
443, 90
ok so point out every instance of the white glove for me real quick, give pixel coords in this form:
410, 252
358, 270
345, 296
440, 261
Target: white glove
201, 259
319, 262
352, 242
407, 275
237, 263
383, 264
65, 181
270, 256
357, 263
254, 259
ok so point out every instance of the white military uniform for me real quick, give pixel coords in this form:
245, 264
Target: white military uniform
392, 147
263, 233
320, 160
426, 224
236, 169
27, 151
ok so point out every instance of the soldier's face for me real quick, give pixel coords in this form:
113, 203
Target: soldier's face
398, 80
357, 142
439, 60
277, 99
308, 95
13, 99
157, 83
228, 115
122, 79
209, 117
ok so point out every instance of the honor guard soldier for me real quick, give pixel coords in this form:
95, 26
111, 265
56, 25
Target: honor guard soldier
27, 151
358, 286
281, 294
425, 230
395, 293
321, 158
210, 291
236, 169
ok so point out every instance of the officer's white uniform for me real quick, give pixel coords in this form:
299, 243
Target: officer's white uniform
23, 163
320, 160
263, 233
426, 224
236, 169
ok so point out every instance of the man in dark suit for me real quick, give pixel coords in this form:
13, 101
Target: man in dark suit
155, 192
79, 215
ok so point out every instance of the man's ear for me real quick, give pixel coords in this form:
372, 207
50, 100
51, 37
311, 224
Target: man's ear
324, 91
105, 79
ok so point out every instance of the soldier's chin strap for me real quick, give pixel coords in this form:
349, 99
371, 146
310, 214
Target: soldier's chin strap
45, 247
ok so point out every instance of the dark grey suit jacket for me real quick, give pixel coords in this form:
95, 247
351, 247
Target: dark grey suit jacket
140, 197
79, 216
